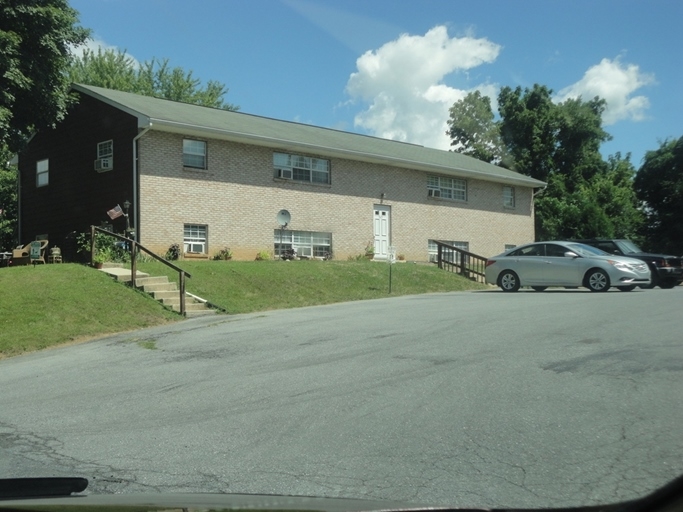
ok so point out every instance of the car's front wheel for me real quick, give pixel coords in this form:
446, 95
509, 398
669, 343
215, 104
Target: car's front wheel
508, 281
597, 280
666, 285
654, 280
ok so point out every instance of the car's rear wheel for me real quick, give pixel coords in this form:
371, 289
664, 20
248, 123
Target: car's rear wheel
508, 281
628, 288
597, 280
539, 288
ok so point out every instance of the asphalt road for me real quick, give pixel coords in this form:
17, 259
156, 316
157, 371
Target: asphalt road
465, 399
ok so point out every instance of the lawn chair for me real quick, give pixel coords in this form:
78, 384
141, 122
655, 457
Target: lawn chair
22, 255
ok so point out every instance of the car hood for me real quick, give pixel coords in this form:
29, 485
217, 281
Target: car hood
653, 255
666, 498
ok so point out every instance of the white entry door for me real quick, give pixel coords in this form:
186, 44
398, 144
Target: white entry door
382, 223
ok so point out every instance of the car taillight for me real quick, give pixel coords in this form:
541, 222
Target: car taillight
490, 262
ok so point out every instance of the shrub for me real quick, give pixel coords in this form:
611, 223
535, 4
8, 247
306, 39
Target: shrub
263, 255
223, 254
173, 253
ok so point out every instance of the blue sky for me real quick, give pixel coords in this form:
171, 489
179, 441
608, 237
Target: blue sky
392, 68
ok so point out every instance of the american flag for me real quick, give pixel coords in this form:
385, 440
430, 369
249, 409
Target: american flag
115, 212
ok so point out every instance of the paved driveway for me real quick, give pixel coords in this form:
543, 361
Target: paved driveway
466, 399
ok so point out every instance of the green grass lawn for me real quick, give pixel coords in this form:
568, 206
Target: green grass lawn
50, 305
247, 286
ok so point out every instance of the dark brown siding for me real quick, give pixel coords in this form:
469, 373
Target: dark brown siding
76, 196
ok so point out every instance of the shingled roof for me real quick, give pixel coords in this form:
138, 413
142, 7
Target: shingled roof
194, 120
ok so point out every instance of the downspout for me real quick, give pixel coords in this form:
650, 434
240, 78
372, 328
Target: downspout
136, 199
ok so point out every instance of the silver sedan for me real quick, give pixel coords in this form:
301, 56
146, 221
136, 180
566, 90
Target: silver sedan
569, 264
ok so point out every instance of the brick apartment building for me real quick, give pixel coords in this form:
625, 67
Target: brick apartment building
208, 179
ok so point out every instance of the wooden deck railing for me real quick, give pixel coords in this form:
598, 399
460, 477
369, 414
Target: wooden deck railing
465, 263
134, 248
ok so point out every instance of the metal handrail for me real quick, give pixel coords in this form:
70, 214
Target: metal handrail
134, 247
465, 263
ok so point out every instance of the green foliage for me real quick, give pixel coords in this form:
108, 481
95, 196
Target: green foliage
114, 69
472, 128
36, 40
107, 248
8, 203
659, 184
224, 254
560, 144
173, 253
263, 256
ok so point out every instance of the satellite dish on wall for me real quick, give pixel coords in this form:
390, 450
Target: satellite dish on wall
283, 217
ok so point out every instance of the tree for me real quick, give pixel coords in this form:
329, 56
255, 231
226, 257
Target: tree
560, 143
659, 184
472, 128
36, 40
114, 69
8, 202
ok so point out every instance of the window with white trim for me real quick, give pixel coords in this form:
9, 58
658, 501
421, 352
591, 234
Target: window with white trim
105, 149
311, 244
433, 249
447, 188
194, 153
508, 197
194, 238
42, 172
509, 247
301, 168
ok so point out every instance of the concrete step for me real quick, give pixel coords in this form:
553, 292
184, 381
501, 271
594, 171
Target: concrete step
165, 294
194, 307
199, 312
151, 280
122, 274
159, 287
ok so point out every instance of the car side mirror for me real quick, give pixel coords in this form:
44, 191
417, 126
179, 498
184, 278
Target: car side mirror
570, 254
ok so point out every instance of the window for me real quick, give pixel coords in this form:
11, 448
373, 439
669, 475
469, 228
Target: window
194, 238
529, 250
105, 149
447, 188
448, 255
42, 172
509, 247
309, 244
556, 251
301, 168
194, 154
509, 197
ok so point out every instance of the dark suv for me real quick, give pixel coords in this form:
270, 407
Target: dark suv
666, 271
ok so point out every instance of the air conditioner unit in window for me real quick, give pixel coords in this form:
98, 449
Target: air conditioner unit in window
434, 192
285, 174
104, 164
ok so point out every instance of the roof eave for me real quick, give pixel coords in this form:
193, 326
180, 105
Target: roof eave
143, 120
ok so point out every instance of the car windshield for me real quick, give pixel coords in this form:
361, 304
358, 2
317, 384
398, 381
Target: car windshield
628, 247
586, 250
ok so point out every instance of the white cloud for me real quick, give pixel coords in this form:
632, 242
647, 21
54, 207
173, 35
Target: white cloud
614, 82
98, 44
403, 83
